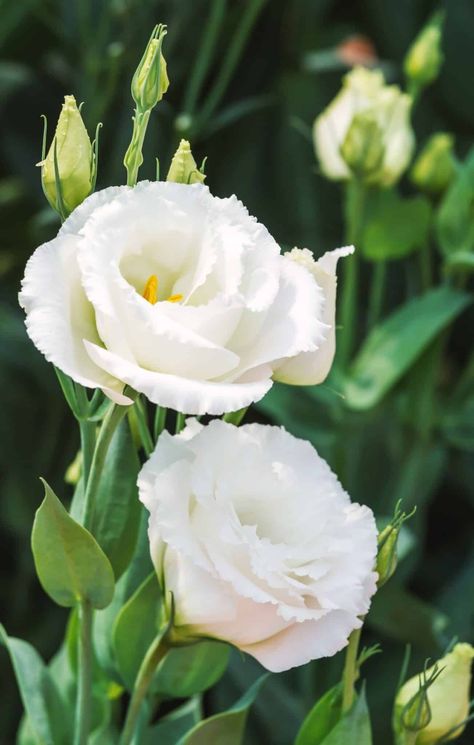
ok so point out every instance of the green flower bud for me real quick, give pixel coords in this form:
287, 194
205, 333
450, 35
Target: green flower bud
150, 82
73, 152
435, 166
424, 58
363, 147
438, 705
183, 168
387, 557
387, 554
416, 713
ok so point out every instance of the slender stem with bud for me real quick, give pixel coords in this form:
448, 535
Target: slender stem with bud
349, 675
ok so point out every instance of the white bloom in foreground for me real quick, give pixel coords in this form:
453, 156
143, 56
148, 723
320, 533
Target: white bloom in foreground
365, 128
258, 542
181, 295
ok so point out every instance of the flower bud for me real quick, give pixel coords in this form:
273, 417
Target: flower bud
365, 131
424, 58
150, 82
435, 166
183, 168
387, 557
72, 150
363, 146
443, 692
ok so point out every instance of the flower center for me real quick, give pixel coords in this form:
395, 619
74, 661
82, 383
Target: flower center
150, 292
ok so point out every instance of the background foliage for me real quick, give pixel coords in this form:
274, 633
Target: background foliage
271, 75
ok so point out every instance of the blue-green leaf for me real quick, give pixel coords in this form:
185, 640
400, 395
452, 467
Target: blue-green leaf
186, 671
394, 345
322, 718
69, 562
135, 628
117, 517
455, 220
175, 725
353, 727
227, 728
396, 226
44, 708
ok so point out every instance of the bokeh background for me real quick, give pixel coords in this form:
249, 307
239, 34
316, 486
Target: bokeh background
276, 65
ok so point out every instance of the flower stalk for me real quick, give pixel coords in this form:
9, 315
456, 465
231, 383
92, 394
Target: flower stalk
156, 652
350, 673
355, 207
84, 688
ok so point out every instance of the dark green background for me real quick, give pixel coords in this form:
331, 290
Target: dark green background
257, 146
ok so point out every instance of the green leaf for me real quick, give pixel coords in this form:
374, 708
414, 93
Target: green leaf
186, 671
137, 572
353, 727
44, 708
227, 728
395, 226
175, 725
117, 517
395, 344
400, 615
135, 628
458, 426
322, 718
455, 219
70, 564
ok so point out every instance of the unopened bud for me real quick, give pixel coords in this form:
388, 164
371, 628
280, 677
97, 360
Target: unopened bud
363, 147
435, 166
437, 703
150, 82
387, 557
387, 554
69, 163
183, 168
424, 58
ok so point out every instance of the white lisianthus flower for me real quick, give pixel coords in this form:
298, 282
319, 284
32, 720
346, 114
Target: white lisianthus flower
258, 542
366, 130
179, 294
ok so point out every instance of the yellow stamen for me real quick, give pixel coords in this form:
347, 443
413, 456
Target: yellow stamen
175, 298
150, 292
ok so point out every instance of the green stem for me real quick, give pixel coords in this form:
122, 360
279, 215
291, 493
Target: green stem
205, 54
153, 657
180, 421
377, 288
426, 267
84, 686
355, 204
349, 676
235, 417
134, 155
248, 19
160, 421
110, 423
139, 412
87, 430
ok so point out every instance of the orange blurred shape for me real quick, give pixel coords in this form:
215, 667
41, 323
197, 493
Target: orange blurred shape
357, 50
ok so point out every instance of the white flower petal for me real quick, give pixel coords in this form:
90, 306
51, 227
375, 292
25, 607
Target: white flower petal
311, 368
181, 394
302, 642
258, 519
59, 316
